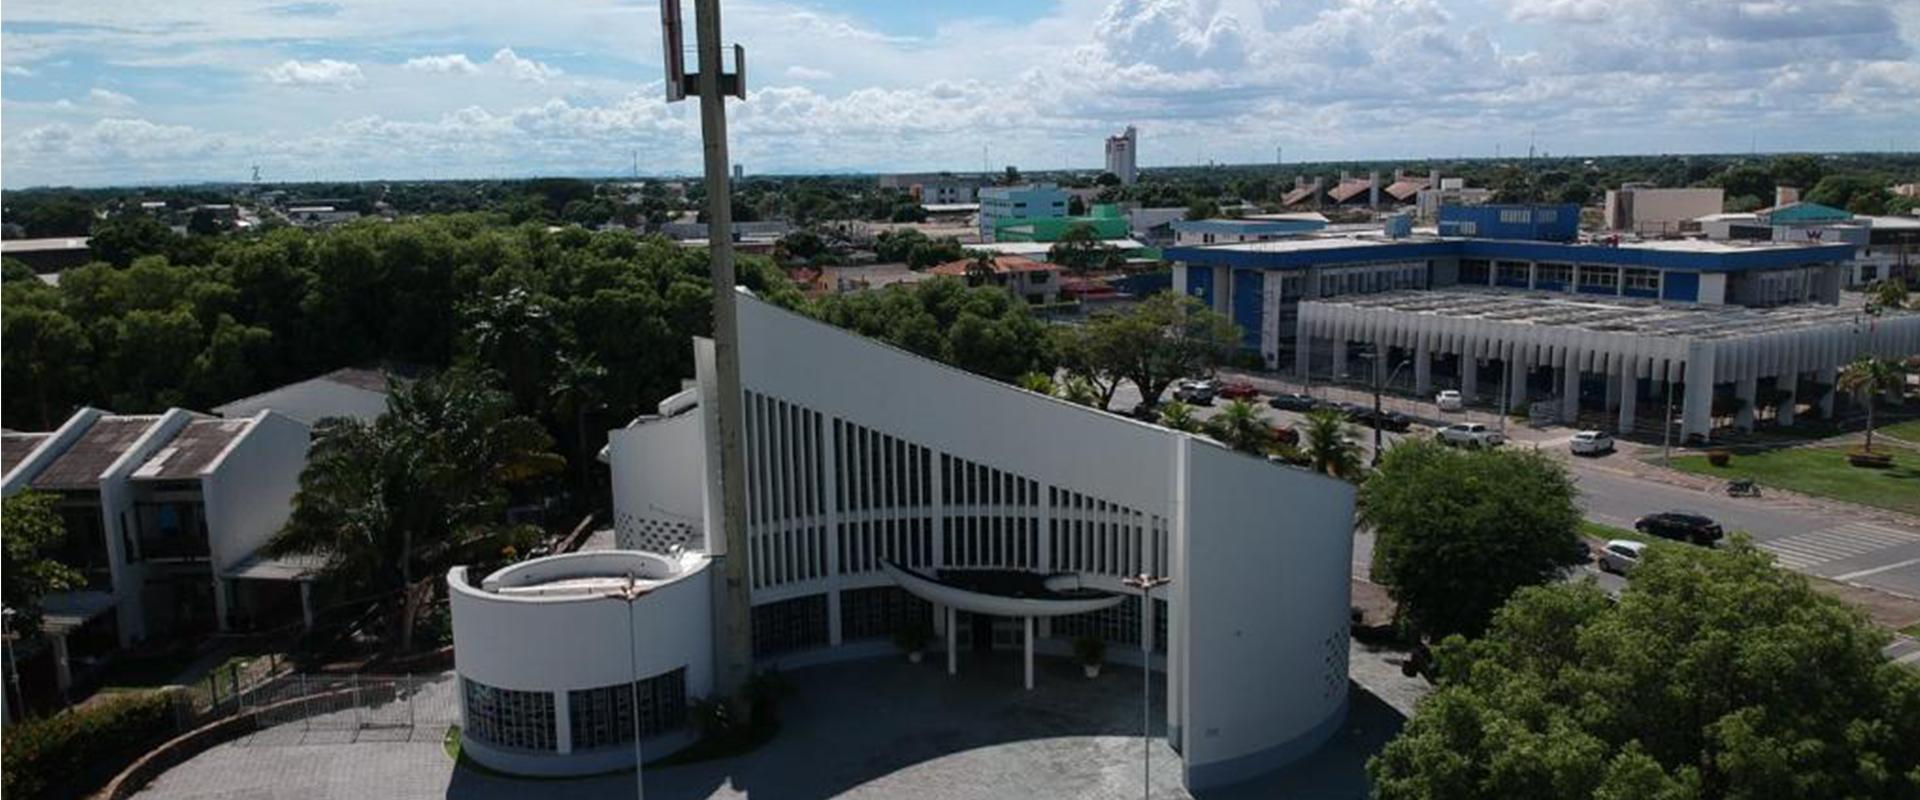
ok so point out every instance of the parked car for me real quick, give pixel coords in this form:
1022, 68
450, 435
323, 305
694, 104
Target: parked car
1238, 390
1389, 420
1354, 412
1590, 443
1449, 400
1684, 526
1291, 401
1286, 436
1620, 556
1196, 391
1471, 434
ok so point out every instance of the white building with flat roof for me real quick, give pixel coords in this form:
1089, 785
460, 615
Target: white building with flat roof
999, 518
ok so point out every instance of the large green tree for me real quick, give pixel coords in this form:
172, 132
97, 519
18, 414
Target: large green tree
1457, 531
1716, 675
1152, 344
394, 503
32, 532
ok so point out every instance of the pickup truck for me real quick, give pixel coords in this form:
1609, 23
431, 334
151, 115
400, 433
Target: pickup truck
1471, 434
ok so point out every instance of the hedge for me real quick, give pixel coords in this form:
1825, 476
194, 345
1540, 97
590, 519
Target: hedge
71, 753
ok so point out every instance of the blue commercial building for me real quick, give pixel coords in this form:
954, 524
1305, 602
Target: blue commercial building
1540, 298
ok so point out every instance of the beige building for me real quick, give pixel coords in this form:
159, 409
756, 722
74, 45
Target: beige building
1647, 211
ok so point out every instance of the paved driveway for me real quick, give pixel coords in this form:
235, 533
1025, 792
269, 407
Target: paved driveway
879, 728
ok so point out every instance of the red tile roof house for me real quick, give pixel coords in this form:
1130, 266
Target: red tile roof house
165, 514
1037, 281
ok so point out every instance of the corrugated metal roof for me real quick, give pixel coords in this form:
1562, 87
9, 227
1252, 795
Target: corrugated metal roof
103, 443
192, 450
1001, 264
1404, 189
14, 448
1349, 189
1296, 196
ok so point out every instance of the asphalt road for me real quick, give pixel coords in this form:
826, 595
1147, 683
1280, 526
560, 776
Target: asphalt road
1813, 541
1854, 548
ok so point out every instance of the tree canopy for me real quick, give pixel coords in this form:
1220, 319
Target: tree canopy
1160, 340
983, 329
394, 503
1457, 531
32, 533
1716, 675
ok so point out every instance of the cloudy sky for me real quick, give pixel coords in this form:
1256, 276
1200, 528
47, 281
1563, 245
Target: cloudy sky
128, 91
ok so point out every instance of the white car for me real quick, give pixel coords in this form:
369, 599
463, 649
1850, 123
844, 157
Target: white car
1470, 434
1620, 555
1449, 400
1590, 443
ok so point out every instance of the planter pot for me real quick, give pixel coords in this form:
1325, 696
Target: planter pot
1871, 460
1092, 670
915, 656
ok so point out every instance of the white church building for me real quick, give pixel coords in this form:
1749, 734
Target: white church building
886, 490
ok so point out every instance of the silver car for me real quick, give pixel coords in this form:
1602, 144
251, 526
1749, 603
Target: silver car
1620, 556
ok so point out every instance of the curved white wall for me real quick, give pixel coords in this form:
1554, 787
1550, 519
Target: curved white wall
559, 643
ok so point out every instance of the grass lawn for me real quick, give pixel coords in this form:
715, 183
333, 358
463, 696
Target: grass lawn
1823, 471
1908, 431
1912, 630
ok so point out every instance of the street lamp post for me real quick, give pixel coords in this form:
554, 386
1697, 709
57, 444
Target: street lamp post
1378, 386
631, 593
13, 667
1146, 584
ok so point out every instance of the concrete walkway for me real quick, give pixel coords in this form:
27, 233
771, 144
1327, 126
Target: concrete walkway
876, 728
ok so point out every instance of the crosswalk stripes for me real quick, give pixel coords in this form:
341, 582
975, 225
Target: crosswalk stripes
1805, 550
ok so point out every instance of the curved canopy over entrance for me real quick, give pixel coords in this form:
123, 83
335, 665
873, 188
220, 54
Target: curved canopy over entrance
1004, 593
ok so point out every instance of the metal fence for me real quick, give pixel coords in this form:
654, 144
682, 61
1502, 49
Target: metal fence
303, 708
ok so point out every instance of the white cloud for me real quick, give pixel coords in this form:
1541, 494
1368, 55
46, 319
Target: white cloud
108, 97
19, 71
454, 63
524, 69
800, 73
325, 73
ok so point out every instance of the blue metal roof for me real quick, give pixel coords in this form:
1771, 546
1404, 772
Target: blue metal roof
1624, 255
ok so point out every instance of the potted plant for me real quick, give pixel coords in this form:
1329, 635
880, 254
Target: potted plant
1090, 651
912, 640
1719, 458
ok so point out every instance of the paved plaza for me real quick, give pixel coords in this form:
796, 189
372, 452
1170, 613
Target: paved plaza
876, 728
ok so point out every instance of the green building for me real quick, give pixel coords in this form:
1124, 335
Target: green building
1105, 219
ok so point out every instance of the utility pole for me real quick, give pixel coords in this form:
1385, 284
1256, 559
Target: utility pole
735, 646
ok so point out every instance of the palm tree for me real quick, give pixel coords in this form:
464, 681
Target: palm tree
394, 503
1889, 293
1240, 427
1869, 376
980, 269
1037, 382
1328, 447
1179, 416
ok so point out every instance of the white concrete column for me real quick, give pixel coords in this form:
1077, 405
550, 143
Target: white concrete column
1747, 389
1302, 355
221, 606
306, 604
62, 668
1696, 416
1569, 392
563, 722
1422, 369
1533, 274
1340, 356
953, 651
1828, 375
1629, 384
1788, 410
1469, 377
1028, 620
1613, 389
1517, 371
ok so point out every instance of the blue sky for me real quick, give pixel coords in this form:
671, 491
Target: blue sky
114, 92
